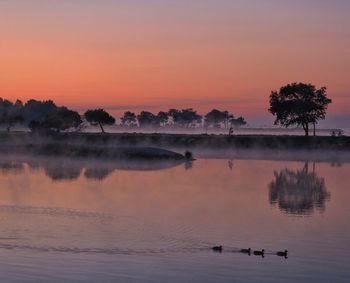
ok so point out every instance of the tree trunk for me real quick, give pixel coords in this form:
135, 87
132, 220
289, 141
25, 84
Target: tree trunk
314, 129
103, 131
306, 128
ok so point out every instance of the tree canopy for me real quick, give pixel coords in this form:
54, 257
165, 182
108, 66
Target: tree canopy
99, 117
216, 117
146, 119
62, 119
10, 113
185, 117
299, 104
129, 119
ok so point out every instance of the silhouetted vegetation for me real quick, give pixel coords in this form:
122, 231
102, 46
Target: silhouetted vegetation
99, 117
146, 119
299, 104
238, 122
129, 119
185, 118
10, 113
61, 120
216, 118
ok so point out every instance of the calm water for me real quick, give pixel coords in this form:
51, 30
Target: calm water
81, 221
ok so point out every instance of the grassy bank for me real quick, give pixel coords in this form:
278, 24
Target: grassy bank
22, 140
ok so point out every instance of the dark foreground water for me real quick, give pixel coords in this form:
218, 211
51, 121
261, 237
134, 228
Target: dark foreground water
74, 221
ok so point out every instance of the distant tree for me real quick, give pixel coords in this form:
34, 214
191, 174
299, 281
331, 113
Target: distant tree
162, 118
62, 119
190, 117
237, 122
215, 118
129, 119
99, 117
146, 119
185, 118
175, 115
10, 114
299, 104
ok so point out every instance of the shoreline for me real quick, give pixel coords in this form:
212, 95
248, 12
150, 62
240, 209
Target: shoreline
153, 147
185, 141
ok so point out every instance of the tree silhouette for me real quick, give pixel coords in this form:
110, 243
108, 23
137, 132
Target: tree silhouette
146, 119
10, 113
162, 118
299, 104
237, 122
129, 119
62, 119
216, 117
298, 192
99, 117
34, 110
185, 118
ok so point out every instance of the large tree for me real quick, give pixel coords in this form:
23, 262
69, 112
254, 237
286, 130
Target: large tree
62, 119
99, 117
36, 111
299, 104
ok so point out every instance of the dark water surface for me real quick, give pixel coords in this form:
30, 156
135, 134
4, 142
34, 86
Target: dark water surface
72, 221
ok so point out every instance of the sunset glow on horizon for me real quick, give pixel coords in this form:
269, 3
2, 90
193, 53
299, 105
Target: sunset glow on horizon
160, 54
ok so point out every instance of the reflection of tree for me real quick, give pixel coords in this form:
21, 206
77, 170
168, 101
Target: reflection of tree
298, 192
11, 167
60, 171
69, 169
230, 164
188, 165
98, 173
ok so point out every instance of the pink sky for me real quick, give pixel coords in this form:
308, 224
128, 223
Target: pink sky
159, 54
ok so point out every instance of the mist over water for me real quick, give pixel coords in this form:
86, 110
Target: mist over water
91, 221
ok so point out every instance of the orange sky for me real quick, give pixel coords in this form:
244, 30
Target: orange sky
156, 54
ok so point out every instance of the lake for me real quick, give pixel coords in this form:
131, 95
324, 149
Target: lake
86, 221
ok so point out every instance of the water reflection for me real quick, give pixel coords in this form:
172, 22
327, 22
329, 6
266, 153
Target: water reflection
11, 167
98, 173
298, 192
59, 171
69, 169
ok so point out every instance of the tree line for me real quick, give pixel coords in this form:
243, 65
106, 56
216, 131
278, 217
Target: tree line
297, 104
47, 116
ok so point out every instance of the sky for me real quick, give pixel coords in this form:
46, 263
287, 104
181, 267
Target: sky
158, 54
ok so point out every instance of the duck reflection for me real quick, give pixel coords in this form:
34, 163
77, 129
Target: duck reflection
298, 192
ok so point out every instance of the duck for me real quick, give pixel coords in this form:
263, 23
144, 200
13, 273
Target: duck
246, 251
285, 253
217, 248
262, 252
